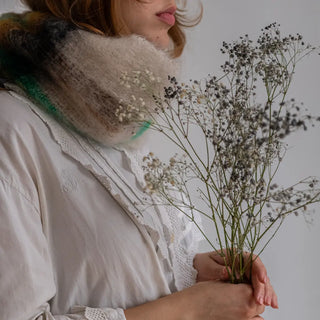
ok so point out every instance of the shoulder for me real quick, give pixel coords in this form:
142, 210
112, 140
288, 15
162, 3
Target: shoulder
21, 128
15, 114
17, 123
23, 136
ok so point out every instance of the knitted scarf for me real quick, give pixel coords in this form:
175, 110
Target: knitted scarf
75, 75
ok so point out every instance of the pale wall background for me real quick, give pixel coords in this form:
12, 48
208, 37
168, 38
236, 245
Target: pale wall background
293, 258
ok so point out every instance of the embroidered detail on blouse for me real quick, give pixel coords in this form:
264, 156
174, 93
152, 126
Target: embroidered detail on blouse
181, 235
69, 182
100, 314
160, 222
107, 314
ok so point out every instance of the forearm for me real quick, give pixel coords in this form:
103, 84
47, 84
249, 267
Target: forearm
170, 307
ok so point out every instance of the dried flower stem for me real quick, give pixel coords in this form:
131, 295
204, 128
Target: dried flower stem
243, 146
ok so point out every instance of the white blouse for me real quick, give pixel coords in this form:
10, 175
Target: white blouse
76, 238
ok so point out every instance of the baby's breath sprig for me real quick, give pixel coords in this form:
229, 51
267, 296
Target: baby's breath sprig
242, 133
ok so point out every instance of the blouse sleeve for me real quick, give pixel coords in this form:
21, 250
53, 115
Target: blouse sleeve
27, 277
26, 274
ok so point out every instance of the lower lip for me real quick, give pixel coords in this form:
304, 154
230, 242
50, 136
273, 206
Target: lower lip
167, 18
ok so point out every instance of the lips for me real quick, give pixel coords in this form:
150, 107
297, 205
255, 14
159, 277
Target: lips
167, 16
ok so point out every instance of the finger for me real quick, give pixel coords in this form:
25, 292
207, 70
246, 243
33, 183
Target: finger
258, 268
217, 257
274, 302
258, 289
260, 309
219, 273
273, 297
257, 318
268, 293
225, 274
210, 269
248, 293
220, 267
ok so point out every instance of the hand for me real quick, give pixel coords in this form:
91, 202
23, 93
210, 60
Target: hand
208, 300
211, 266
215, 300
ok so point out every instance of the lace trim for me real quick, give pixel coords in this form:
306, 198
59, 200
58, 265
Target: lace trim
100, 314
177, 228
90, 156
175, 250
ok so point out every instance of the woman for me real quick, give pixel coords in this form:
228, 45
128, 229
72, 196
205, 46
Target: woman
75, 242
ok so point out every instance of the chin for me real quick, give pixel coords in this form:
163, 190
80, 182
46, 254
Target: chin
161, 39
162, 42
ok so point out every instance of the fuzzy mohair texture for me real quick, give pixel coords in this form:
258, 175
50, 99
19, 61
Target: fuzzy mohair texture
76, 75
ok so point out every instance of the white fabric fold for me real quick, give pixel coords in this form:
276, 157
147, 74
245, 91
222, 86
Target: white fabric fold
100, 314
94, 157
181, 235
169, 239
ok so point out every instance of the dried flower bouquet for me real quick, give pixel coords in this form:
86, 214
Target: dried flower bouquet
242, 117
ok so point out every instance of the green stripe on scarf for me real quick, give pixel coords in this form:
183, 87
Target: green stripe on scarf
145, 126
27, 82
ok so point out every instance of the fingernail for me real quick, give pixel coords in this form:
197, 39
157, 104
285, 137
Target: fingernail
268, 301
260, 300
224, 273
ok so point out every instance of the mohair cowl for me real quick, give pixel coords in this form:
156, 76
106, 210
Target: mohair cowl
75, 75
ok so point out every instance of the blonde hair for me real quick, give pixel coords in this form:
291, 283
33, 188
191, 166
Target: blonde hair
103, 17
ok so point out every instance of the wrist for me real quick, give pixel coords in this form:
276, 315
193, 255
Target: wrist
196, 265
171, 307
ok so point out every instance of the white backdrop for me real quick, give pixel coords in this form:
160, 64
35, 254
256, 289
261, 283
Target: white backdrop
293, 258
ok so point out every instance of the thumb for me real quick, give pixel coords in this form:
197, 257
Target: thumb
217, 257
219, 265
218, 272
224, 274
209, 269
